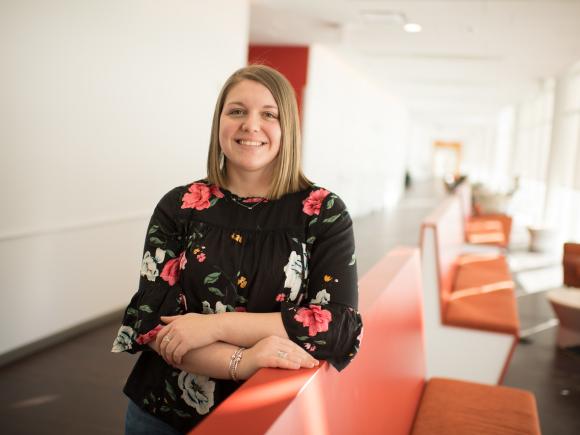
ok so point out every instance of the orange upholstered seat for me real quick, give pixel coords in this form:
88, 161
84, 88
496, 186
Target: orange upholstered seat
486, 273
489, 229
453, 407
491, 311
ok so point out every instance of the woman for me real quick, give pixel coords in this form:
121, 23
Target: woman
251, 267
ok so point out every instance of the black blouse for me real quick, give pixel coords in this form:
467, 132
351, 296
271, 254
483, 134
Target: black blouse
210, 251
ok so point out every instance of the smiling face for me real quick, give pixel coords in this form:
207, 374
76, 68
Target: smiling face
249, 129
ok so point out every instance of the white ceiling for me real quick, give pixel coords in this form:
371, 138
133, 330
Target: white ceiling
472, 57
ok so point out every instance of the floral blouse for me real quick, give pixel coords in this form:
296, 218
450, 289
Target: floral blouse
210, 251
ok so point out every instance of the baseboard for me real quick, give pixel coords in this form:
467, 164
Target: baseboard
60, 337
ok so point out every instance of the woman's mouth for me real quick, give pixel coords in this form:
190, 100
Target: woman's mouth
250, 143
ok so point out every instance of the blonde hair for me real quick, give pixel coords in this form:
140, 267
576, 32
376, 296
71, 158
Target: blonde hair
288, 176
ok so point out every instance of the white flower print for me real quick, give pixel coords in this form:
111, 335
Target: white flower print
159, 255
293, 272
197, 391
219, 308
322, 298
305, 258
124, 339
149, 264
149, 267
206, 308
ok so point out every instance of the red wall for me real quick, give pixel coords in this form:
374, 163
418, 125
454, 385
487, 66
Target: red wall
292, 61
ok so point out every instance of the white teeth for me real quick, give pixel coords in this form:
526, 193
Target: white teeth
250, 143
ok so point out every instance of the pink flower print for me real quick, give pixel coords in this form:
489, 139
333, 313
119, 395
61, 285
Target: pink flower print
315, 319
215, 191
171, 271
197, 197
314, 201
149, 336
240, 309
310, 347
200, 257
280, 297
182, 261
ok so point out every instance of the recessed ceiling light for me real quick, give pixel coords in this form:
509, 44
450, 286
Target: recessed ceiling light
412, 27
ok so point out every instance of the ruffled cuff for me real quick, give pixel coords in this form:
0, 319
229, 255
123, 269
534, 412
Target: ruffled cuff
329, 332
142, 322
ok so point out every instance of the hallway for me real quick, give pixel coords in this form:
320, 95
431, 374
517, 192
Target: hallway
75, 387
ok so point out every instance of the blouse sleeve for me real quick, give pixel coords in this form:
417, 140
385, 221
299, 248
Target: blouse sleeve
326, 321
159, 292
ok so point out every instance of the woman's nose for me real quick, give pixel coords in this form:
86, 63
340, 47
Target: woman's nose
251, 123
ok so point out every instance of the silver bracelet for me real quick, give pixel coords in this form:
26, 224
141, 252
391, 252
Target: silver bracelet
234, 362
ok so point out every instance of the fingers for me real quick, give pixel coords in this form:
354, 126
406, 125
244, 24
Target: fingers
168, 319
161, 336
167, 344
298, 354
169, 350
289, 355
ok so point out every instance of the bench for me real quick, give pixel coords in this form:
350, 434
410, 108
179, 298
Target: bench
384, 390
492, 229
465, 294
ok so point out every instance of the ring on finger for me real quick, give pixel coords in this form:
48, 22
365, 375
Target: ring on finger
282, 354
166, 339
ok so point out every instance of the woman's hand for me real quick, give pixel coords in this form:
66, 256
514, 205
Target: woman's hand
275, 352
183, 333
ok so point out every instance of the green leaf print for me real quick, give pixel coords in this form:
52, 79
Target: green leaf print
211, 278
165, 408
153, 229
241, 299
146, 308
181, 413
213, 201
331, 219
155, 241
313, 221
230, 308
170, 253
320, 342
170, 391
145, 401
302, 338
216, 291
132, 311
330, 203
311, 240
137, 324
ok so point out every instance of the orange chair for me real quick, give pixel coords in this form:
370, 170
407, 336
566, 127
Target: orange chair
566, 301
571, 262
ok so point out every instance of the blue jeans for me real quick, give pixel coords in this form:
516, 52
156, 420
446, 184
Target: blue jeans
140, 422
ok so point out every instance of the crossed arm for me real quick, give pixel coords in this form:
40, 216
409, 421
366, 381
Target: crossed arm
204, 344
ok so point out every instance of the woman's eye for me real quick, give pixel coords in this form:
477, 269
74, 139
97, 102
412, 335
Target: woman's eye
271, 115
236, 112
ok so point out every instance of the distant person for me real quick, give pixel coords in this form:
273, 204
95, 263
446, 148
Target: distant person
251, 267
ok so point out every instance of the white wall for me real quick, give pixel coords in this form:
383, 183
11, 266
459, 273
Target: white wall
355, 133
104, 106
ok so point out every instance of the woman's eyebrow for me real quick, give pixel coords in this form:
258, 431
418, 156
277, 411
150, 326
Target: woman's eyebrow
239, 103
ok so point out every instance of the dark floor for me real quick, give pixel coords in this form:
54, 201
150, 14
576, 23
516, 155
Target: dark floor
75, 387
